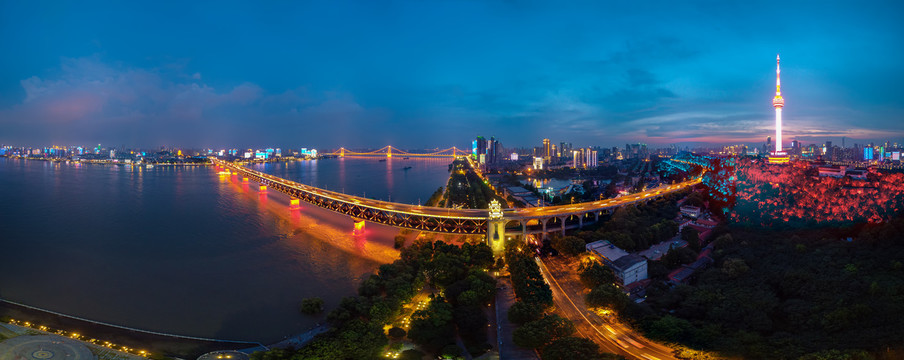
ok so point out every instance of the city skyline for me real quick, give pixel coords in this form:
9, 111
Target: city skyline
292, 77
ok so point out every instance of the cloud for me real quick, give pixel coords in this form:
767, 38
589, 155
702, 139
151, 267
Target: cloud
90, 101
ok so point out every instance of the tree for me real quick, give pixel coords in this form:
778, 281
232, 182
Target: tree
695, 199
734, 267
539, 333
446, 269
607, 296
594, 274
450, 351
670, 328
568, 245
311, 306
412, 354
433, 328
679, 256
472, 323
838, 355
399, 242
692, 236
573, 348
372, 286
396, 333
521, 312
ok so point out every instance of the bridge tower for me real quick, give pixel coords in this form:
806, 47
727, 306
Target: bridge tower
496, 229
389, 151
342, 152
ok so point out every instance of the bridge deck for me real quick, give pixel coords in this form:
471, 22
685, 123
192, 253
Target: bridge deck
435, 218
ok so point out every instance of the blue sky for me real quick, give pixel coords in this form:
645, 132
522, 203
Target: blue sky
437, 73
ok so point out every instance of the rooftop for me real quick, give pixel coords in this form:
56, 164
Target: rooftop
605, 249
626, 262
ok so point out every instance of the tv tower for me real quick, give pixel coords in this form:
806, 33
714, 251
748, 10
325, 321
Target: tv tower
778, 156
778, 103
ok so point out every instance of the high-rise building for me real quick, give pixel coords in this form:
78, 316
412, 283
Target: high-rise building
547, 151
479, 146
585, 158
590, 158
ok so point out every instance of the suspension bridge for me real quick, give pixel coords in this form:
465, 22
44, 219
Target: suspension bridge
390, 151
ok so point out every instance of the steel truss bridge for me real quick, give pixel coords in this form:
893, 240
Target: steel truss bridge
539, 220
389, 151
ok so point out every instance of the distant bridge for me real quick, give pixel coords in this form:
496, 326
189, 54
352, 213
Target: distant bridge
389, 151
493, 222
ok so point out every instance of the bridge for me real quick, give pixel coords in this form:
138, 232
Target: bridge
493, 223
389, 151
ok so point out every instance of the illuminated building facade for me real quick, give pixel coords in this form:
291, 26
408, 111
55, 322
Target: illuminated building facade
547, 151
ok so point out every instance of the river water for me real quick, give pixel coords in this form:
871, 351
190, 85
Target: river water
181, 250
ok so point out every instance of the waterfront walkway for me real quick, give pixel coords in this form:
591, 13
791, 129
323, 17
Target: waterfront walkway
129, 328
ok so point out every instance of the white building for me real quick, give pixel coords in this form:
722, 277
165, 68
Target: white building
628, 268
538, 163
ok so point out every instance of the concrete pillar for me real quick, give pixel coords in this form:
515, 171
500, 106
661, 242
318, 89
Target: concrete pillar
543, 221
563, 225
580, 221
523, 230
596, 216
359, 227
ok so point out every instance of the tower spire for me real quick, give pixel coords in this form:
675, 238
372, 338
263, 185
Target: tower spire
778, 77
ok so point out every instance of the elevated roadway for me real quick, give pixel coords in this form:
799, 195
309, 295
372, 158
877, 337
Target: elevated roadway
445, 220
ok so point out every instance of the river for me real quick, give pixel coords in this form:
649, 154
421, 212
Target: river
181, 250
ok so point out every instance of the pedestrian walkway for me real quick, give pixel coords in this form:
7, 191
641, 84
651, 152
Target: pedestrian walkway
505, 297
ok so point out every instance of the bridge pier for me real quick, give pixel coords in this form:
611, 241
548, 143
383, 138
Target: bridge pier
523, 230
294, 204
596, 216
543, 221
244, 180
563, 224
263, 188
359, 227
580, 221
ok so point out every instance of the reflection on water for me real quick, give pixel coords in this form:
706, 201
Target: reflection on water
185, 251
407, 181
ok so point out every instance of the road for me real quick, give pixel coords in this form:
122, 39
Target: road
613, 337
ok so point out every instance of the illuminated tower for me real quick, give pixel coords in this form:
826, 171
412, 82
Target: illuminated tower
778, 103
